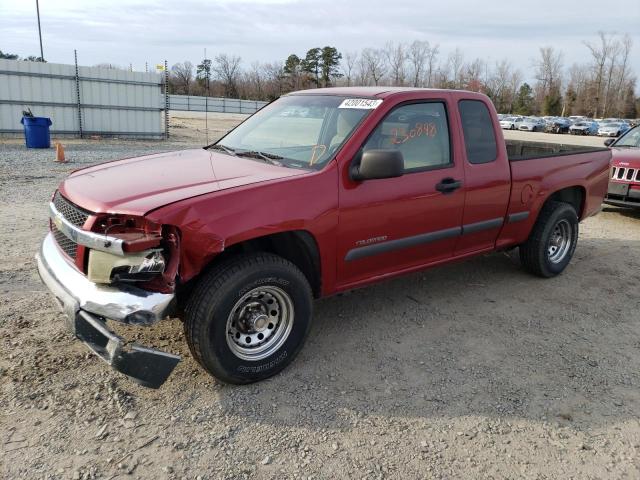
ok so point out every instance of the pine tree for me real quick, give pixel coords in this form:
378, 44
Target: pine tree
330, 65
524, 101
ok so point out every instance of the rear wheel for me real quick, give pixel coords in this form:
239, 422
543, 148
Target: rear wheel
553, 240
249, 317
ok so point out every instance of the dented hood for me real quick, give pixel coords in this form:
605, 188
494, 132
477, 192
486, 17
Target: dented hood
137, 185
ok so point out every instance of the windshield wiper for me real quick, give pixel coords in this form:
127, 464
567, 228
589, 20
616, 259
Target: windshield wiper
264, 156
227, 150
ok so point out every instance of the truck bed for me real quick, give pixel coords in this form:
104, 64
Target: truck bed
518, 150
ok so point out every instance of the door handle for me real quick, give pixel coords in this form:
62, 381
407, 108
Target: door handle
448, 185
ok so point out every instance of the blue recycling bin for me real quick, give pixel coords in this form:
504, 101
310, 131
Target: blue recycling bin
36, 131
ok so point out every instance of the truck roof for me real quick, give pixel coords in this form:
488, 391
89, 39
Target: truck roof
378, 92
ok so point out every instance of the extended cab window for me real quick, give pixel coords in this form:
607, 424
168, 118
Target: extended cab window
477, 127
419, 131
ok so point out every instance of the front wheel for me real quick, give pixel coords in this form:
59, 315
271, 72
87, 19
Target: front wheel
248, 318
553, 240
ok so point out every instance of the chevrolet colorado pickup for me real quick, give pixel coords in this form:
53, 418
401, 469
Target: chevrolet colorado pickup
320, 192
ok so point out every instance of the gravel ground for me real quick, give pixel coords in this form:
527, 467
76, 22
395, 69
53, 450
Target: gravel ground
473, 370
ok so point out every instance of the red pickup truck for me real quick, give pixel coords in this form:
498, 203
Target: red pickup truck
319, 192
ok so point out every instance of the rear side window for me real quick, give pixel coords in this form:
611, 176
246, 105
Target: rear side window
419, 131
477, 127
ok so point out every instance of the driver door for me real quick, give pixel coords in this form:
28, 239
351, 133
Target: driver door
393, 225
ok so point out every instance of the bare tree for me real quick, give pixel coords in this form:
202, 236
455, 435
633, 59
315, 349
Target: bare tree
600, 53
396, 58
615, 50
253, 84
349, 65
182, 77
362, 70
227, 69
432, 58
275, 79
374, 61
549, 69
514, 84
417, 54
499, 86
626, 45
474, 73
456, 66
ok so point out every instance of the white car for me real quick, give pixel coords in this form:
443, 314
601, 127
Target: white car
613, 129
510, 123
532, 124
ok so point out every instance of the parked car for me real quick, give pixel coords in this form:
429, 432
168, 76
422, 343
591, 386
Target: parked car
624, 184
613, 129
558, 125
584, 128
243, 234
532, 124
510, 123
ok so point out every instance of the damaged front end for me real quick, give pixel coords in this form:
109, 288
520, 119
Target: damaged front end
124, 269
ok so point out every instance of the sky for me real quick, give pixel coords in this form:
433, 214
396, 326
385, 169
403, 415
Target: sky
137, 31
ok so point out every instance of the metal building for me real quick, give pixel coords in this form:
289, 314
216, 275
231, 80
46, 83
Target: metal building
82, 101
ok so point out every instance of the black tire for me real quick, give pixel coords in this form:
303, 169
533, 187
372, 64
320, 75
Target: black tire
222, 291
536, 253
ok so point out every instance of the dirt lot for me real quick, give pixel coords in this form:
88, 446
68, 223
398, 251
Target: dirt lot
475, 370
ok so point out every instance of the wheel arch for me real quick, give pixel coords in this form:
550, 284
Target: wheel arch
574, 195
298, 246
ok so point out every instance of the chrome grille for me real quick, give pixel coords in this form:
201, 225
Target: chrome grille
69, 211
74, 215
625, 174
67, 245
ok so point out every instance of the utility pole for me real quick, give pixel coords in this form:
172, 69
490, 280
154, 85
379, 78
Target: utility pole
39, 30
206, 99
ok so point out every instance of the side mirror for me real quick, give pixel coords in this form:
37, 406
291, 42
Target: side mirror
375, 164
609, 141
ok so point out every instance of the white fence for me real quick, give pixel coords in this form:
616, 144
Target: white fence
83, 101
213, 104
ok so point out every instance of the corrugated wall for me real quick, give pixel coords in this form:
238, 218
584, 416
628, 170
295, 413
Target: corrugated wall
112, 102
213, 104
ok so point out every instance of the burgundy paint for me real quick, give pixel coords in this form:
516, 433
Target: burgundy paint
216, 200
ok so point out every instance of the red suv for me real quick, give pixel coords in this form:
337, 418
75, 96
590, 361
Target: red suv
624, 185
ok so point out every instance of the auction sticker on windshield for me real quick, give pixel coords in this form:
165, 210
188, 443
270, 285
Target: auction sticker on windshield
364, 103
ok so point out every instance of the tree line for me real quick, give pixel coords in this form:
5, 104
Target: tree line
15, 56
602, 86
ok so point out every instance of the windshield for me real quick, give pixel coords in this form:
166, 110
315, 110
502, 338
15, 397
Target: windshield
298, 131
630, 139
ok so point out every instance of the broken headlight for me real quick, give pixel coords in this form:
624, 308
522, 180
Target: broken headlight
139, 267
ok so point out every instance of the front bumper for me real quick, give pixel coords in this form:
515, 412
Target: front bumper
87, 306
620, 195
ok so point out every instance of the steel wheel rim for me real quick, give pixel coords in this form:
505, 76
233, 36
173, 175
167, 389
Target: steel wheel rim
259, 323
560, 241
